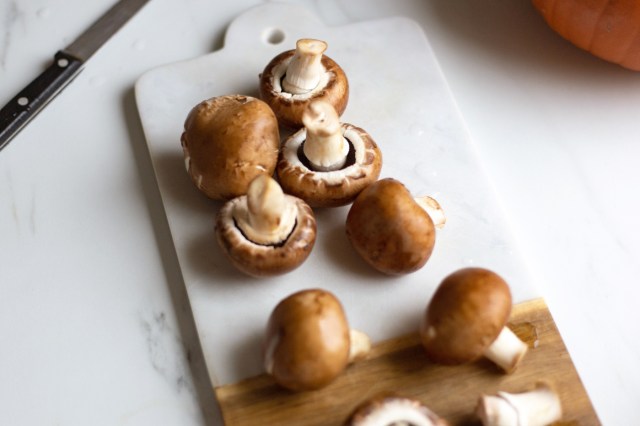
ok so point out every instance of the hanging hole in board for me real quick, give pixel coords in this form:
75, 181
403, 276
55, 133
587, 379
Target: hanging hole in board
273, 35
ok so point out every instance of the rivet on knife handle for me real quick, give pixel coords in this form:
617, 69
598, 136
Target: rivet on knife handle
26, 104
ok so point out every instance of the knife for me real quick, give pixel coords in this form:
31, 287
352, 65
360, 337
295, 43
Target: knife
67, 63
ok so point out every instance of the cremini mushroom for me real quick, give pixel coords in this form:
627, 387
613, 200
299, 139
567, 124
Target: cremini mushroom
327, 163
466, 319
295, 77
266, 232
538, 407
228, 141
308, 341
390, 229
390, 409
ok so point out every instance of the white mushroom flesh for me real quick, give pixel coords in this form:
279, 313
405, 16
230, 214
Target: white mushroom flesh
269, 352
305, 70
360, 345
336, 177
507, 350
538, 407
400, 412
267, 217
433, 208
187, 161
277, 77
325, 147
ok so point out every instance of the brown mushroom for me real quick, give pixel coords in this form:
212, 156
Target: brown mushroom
266, 232
390, 409
228, 141
538, 407
390, 229
466, 319
327, 163
295, 77
308, 341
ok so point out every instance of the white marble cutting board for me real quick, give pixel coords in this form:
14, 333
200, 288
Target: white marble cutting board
400, 96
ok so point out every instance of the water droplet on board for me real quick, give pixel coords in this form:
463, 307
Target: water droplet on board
140, 44
43, 12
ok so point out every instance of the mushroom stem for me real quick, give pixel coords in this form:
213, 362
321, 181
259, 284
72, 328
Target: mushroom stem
305, 69
359, 347
507, 350
538, 407
267, 217
325, 147
432, 207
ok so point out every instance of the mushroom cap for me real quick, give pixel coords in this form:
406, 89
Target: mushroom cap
334, 188
390, 409
465, 315
227, 142
307, 340
389, 229
266, 260
289, 108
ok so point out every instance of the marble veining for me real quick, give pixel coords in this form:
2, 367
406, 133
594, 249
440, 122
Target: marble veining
161, 340
11, 14
22, 204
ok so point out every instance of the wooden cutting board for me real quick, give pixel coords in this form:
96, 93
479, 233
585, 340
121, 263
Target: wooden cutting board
399, 365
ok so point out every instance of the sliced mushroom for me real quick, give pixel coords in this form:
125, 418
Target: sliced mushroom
327, 163
295, 77
394, 410
390, 230
227, 142
266, 232
538, 407
466, 319
308, 341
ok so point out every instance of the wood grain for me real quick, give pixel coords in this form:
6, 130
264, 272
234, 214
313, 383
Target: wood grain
399, 365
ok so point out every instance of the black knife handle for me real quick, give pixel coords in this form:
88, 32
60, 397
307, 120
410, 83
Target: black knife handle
26, 104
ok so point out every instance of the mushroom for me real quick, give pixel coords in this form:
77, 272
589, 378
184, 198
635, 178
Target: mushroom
327, 163
391, 409
308, 341
228, 141
538, 407
266, 232
295, 77
390, 230
466, 319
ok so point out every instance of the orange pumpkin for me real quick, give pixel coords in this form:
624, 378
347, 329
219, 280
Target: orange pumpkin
609, 29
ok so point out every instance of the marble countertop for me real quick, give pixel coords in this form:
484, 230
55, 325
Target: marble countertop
94, 321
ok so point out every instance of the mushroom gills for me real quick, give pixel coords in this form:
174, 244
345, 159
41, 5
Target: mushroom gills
350, 159
267, 218
394, 411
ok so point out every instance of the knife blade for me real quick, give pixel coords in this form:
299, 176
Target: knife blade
67, 64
